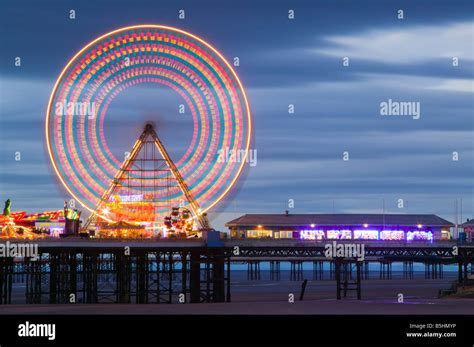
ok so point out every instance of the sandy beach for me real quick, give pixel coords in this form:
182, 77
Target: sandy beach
420, 296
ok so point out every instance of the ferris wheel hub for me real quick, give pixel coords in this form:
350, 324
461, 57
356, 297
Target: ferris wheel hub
149, 126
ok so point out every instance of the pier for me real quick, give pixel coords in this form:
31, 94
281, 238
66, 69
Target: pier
191, 271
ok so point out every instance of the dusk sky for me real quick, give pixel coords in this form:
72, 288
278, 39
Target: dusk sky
282, 62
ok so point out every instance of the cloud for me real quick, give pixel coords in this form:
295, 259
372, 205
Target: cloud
299, 155
456, 85
404, 45
405, 82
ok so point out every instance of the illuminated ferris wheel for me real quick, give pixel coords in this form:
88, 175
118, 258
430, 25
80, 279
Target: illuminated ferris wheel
145, 185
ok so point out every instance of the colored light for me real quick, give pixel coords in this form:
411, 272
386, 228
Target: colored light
417, 235
259, 226
420, 226
339, 234
311, 234
185, 63
392, 235
126, 198
366, 225
366, 234
312, 225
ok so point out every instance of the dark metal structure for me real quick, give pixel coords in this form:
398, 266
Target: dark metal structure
124, 274
148, 170
349, 272
91, 271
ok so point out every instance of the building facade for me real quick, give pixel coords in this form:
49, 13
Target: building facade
387, 227
468, 230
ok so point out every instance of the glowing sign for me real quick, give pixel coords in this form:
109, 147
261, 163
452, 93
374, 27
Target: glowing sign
419, 235
311, 234
392, 235
366, 234
127, 198
339, 234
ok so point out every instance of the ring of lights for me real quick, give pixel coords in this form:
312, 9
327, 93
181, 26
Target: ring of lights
148, 54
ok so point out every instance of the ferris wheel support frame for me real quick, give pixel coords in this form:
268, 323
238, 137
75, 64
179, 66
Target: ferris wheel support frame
201, 217
149, 131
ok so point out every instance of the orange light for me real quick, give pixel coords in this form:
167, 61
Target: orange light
259, 226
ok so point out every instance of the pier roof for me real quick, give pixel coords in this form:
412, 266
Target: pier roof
338, 219
468, 223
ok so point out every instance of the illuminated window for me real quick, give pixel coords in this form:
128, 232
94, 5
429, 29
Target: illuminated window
366, 234
311, 234
418, 235
286, 234
445, 235
339, 234
260, 233
392, 235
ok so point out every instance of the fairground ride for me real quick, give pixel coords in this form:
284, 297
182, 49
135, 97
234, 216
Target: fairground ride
148, 187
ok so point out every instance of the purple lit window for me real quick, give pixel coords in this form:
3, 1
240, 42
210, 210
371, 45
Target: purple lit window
392, 235
419, 235
366, 234
339, 234
311, 234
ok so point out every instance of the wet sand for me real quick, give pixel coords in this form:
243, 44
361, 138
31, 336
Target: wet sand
274, 297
